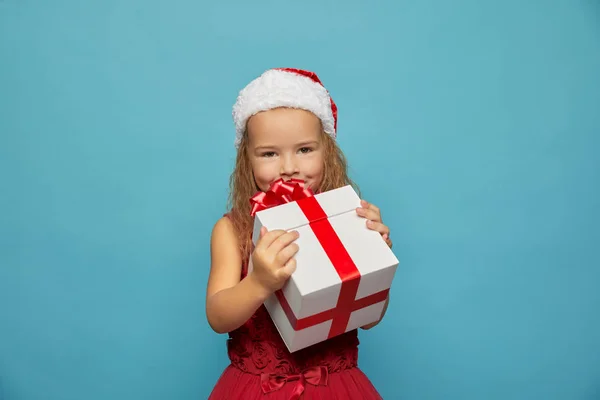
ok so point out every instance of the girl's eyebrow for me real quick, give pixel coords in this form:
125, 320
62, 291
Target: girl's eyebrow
313, 142
264, 147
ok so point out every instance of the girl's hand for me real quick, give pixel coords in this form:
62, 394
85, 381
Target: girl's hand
272, 258
374, 221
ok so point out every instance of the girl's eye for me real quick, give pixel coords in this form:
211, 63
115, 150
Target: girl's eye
305, 150
268, 154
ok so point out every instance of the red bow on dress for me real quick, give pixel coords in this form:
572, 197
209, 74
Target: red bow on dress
315, 376
279, 193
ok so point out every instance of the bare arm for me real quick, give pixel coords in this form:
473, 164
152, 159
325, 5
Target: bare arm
229, 301
372, 324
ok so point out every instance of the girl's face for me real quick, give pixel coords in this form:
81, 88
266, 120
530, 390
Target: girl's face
285, 143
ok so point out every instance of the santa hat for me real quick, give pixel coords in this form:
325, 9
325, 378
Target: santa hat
285, 87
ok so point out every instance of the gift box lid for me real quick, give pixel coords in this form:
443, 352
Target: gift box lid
289, 216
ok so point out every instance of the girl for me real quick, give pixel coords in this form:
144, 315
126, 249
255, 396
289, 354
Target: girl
285, 128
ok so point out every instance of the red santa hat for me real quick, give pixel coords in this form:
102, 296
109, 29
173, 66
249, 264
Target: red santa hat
285, 87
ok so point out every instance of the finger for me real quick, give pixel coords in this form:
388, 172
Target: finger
282, 241
388, 241
378, 226
374, 208
286, 253
287, 270
370, 206
269, 237
368, 214
263, 232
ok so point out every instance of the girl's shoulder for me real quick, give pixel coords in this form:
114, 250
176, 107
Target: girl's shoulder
224, 230
225, 246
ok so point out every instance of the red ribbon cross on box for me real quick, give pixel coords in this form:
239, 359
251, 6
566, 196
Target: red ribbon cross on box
283, 192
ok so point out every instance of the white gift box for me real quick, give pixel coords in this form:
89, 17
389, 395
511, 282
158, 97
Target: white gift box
343, 269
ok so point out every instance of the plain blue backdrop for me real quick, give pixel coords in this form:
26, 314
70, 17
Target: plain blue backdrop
473, 124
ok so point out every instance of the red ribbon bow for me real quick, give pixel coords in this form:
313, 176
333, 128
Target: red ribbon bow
279, 193
314, 375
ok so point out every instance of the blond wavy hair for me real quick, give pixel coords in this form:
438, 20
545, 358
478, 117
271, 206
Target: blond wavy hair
243, 186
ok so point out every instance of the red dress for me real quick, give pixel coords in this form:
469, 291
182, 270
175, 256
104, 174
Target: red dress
262, 367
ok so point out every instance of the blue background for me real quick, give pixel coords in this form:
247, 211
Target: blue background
473, 124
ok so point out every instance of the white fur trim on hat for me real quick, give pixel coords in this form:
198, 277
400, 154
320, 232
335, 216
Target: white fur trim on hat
284, 88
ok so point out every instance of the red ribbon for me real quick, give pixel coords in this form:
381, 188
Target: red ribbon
279, 193
315, 376
283, 192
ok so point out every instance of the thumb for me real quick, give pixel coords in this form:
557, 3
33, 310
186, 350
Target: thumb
263, 231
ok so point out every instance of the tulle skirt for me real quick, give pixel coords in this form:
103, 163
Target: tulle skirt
348, 384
